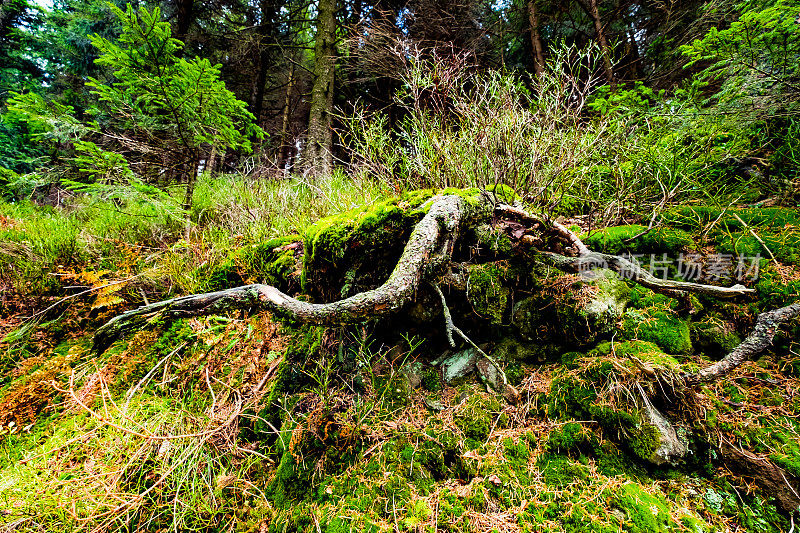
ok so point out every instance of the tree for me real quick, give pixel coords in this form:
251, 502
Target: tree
162, 107
319, 157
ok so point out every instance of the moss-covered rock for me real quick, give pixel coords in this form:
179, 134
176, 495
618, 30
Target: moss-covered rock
653, 318
275, 262
714, 337
619, 239
357, 250
573, 310
488, 291
606, 386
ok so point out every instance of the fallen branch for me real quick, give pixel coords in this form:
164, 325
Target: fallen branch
580, 248
630, 270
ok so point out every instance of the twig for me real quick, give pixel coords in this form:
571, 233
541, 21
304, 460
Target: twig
451, 327
754, 234
147, 376
764, 332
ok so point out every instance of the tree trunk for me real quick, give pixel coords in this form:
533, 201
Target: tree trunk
265, 30
594, 13
319, 155
287, 103
536, 39
191, 180
184, 12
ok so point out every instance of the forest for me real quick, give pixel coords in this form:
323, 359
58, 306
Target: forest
400, 265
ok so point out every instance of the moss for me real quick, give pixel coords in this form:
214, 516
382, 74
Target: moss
487, 291
575, 395
645, 513
660, 326
714, 337
644, 440
639, 353
570, 439
591, 309
697, 217
493, 239
393, 390
269, 262
431, 380
774, 292
560, 471
617, 239
377, 233
476, 417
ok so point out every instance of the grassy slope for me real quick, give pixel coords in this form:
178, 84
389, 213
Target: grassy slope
173, 429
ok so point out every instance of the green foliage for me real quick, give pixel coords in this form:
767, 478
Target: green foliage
156, 90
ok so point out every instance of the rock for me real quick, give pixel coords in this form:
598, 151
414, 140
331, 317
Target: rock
582, 308
413, 373
668, 448
434, 405
489, 374
459, 364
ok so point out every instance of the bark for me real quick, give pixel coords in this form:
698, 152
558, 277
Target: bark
287, 103
605, 51
429, 246
319, 155
429, 242
536, 39
774, 480
265, 29
185, 14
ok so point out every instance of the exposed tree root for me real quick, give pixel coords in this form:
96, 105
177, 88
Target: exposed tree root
773, 479
630, 270
761, 338
427, 243
430, 245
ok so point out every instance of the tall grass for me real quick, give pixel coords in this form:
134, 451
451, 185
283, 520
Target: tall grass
134, 234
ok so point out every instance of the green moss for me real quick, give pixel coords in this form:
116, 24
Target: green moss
714, 337
570, 439
393, 390
645, 513
774, 292
636, 353
477, 416
560, 471
697, 217
431, 380
487, 291
660, 326
264, 262
644, 440
336, 245
493, 239
617, 239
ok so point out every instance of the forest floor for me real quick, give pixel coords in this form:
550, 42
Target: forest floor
250, 423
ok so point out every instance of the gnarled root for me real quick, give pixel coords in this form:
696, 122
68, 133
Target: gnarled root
767, 325
429, 242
